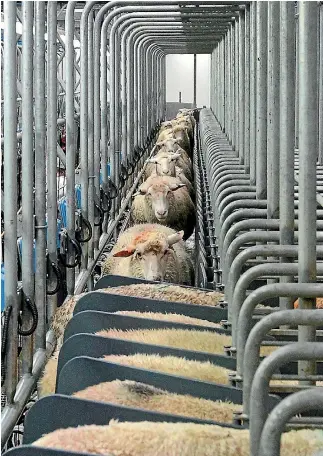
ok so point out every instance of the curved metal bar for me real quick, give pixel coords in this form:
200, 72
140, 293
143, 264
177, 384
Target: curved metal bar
257, 334
260, 386
302, 401
240, 291
307, 290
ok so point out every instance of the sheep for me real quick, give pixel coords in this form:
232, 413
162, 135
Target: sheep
202, 341
196, 370
319, 303
164, 200
172, 146
140, 395
151, 438
184, 319
152, 252
163, 292
168, 292
162, 164
48, 380
187, 339
181, 176
182, 137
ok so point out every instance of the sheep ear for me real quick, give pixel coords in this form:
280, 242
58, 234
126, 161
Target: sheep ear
173, 238
125, 252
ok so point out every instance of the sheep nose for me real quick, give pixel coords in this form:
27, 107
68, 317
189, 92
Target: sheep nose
162, 213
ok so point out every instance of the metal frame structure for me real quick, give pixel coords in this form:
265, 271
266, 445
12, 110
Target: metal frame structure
99, 73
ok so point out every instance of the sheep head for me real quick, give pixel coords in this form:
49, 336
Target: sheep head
159, 194
152, 250
165, 163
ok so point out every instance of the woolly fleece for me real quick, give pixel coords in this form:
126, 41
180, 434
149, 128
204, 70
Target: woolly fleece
139, 395
198, 370
170, 439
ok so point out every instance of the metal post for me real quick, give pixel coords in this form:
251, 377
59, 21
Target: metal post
242, 88
308, 145
70, 141
40, 174
194, 80
90, 134
236, 87
261, 100
297, 79
51, 147
273, 135
84, 128
10, 193
320, 155
287, 133
246, 104
253, 98
27, 144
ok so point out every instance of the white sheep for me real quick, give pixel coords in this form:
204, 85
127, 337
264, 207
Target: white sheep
152, 252
164, 200
167, 158
140, 395
151, 438
162, 164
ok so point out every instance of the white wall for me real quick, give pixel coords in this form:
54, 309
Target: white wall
179, 78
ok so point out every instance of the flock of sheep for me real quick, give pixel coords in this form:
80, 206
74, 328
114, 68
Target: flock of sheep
163, 217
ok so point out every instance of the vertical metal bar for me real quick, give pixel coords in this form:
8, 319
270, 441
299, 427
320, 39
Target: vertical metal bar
236, 88
70, 141
27, 263
253, 98
84, 128
297, 81
10, 192
261, 94
40, 173
124, 102
228, 59
233, 85
148, 93
194, 81
90, 131
287, 132
130, 93
242, 88
273, 125
103, 103
246, 104
51, 147
228, 62
308, 143
224, 82
96, 122
320, 155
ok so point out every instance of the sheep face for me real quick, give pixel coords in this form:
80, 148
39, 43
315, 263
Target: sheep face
152, 255
165, 164
160, 196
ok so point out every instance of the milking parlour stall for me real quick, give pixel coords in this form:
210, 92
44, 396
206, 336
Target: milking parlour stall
162, 228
